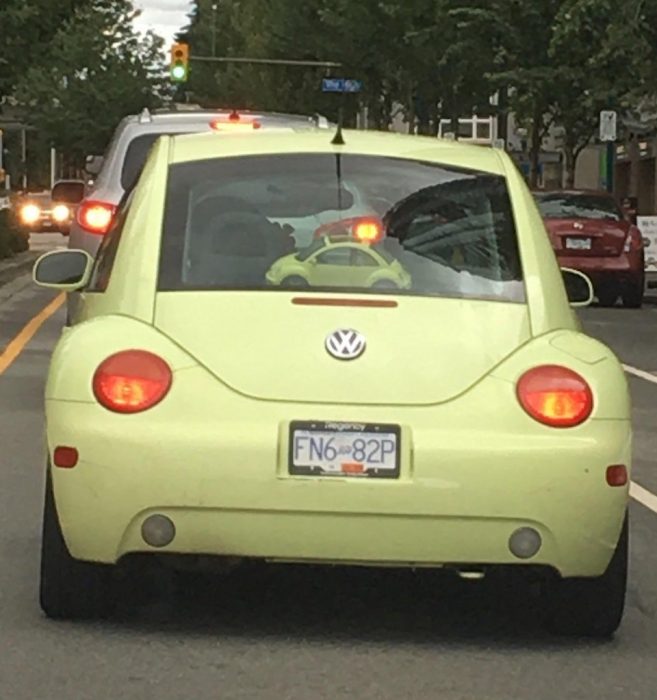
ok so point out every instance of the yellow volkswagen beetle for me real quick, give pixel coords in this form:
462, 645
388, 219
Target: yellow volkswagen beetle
461, 421
340, 261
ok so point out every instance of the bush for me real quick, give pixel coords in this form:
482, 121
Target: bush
12, 239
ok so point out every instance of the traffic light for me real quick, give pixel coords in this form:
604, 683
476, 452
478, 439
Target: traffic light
179, 69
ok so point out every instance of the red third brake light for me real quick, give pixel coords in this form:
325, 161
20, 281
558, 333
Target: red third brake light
366, 229
555, 396
132, 381
234, 123
96, 217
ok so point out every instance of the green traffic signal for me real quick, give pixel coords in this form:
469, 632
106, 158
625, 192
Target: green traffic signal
179, 73
179, 67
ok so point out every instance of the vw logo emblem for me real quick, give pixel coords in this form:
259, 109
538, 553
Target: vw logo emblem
345, 344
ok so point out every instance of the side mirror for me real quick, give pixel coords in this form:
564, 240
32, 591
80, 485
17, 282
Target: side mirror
65, 270
93, 164
578, 287
68, 191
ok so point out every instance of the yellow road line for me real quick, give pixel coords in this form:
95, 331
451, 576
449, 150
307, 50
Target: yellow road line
17, 345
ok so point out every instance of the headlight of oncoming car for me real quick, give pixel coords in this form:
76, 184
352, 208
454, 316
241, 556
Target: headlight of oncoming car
61, 213
30, 213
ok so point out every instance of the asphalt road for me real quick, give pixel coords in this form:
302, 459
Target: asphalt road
293, 633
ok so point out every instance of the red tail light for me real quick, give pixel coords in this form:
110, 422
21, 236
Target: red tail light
634, 240
366, 229
555, 396
131, 381
96, 217
234, 123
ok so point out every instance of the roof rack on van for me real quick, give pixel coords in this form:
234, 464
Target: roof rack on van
178, 107
145, 116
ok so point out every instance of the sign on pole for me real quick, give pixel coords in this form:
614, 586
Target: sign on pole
648, 227
341, 85
608, 125
352, 86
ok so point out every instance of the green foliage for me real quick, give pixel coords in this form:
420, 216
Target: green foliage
27, 28
78, 66
96, 71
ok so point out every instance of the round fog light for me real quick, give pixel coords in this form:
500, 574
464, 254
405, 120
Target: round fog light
158, 531
525, 543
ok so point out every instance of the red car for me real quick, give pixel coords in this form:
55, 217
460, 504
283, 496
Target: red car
590, 233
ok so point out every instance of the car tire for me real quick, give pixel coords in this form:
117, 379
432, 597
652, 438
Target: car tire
632, 297
70, 589
295, 281
606, 297
590, 607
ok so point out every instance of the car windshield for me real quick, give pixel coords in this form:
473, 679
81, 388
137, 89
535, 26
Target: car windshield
561, 205
41, 198
268, 223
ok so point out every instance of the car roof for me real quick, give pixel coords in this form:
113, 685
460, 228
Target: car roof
160, 119
197, 147
183, 119
36, 195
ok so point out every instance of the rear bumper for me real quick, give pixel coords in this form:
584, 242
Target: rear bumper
222, 478
624, 269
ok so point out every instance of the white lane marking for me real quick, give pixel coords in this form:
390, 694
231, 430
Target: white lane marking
638, 493
643, 496
642, 374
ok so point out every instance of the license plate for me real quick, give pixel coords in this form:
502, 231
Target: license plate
344, 449
578, 243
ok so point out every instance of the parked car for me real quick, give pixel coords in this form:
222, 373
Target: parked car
591, 233
117, 171
194, 409
38, 213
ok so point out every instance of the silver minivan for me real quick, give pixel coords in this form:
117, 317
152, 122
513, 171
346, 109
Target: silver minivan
114, 173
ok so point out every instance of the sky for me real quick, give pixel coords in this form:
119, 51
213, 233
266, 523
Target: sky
164, 17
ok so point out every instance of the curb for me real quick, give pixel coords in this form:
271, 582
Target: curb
12, 268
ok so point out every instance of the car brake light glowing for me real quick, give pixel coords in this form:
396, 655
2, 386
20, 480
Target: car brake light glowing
366, 229
234, 123
132, 381
555, 396
96, 217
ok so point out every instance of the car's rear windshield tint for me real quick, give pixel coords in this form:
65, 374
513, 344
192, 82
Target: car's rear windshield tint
559, 205
294, 221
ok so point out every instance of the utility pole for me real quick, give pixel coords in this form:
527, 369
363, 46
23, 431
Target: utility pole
214, 29
608, 135
24, 158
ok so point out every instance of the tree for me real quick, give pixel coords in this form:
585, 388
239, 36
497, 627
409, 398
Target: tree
27, 29
97, 71
593, 51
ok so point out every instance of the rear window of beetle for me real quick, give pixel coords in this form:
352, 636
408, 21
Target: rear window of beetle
346, 223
